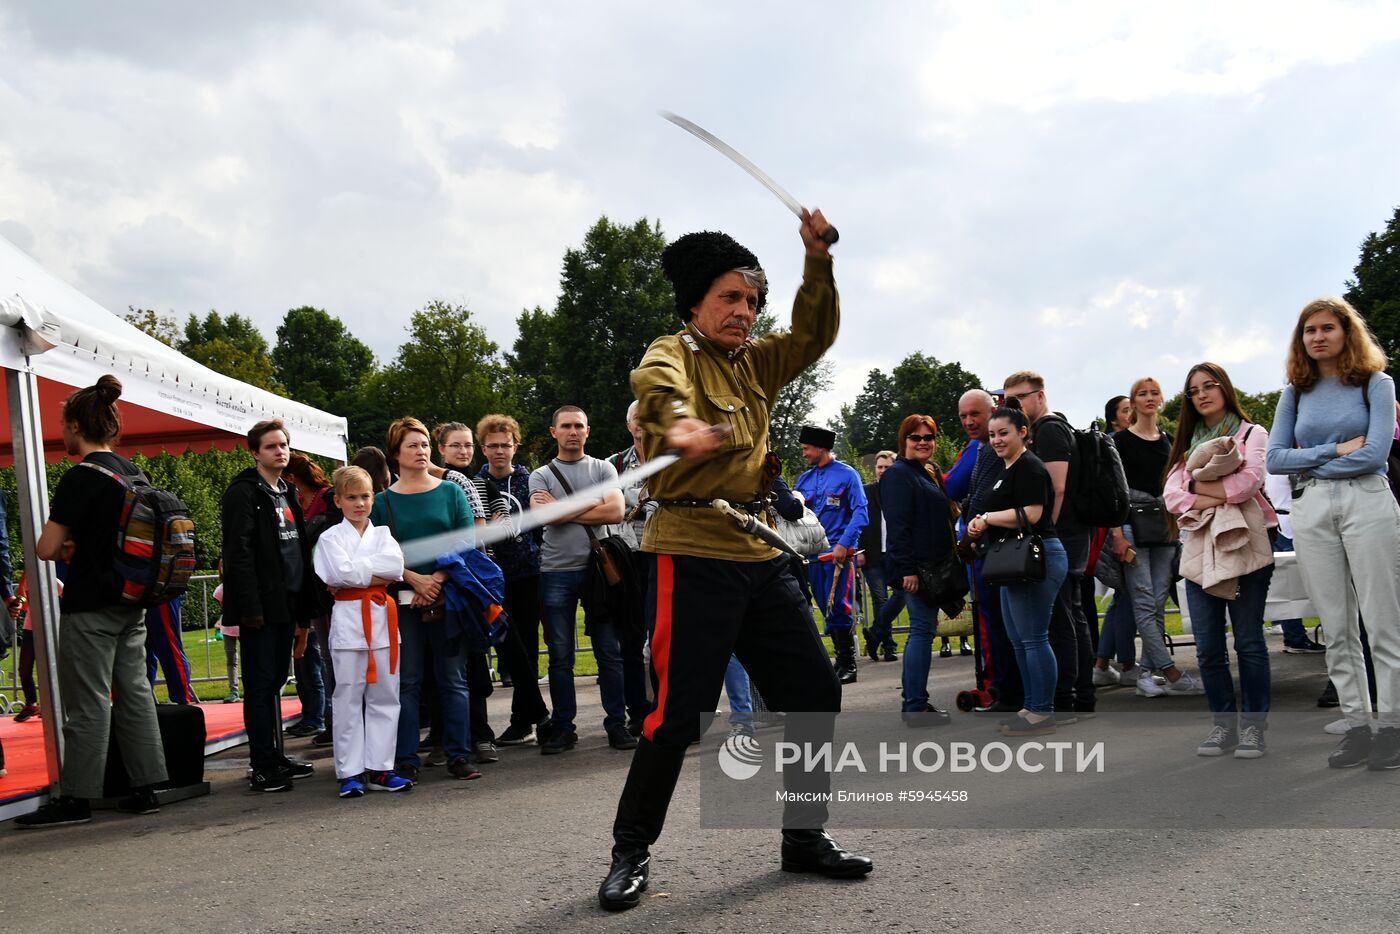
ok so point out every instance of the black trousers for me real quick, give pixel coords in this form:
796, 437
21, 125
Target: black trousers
267, 656
1069, 633
479, 687
519, 653
699, 612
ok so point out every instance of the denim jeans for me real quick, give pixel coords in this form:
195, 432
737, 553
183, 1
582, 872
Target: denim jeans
1026, 609
1117, 635
1252, 654
880, 598
1294, 633
1147, 584
736, 688
918, 651
311, 684
416, 640
559, 595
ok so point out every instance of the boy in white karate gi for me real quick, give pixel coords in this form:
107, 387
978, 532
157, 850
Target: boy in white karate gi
357, 561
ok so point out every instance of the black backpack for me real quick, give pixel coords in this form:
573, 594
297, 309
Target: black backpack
1099, 497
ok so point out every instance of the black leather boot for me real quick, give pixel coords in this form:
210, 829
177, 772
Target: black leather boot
845, 664
641, 813
626, 881
815, 851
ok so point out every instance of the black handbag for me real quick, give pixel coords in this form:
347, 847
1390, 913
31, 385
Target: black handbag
1019, 558
1150, 523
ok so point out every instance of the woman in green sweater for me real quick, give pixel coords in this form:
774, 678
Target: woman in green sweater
419, 505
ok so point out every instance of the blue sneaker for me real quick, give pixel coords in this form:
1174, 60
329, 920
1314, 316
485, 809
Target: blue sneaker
388, 781
352, 787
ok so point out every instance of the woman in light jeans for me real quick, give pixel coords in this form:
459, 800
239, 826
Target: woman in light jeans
1144, 448
1117, 632
1212, 411
918, 531
1024, 489
1332, 434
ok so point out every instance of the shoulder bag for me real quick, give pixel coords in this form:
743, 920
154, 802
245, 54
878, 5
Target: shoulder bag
604, 558
1018, 558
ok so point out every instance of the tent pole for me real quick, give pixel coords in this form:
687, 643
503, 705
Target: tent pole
22, 387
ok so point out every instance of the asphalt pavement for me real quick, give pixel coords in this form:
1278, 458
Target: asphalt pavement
524, 848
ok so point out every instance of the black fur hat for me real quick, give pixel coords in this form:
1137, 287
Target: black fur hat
696, 260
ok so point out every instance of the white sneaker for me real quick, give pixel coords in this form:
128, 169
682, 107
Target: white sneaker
1105, 678
1337, 727
1147, 685
1186, 684
1129, 676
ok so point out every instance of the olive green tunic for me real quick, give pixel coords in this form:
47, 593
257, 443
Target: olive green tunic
686, 376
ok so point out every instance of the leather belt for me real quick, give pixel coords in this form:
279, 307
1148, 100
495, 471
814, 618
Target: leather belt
754, 507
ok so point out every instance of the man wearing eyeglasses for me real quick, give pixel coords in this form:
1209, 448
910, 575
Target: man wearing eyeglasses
519, 558
1053, 442
834, 492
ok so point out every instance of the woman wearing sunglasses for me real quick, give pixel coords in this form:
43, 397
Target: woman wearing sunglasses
918, 531
1024, 488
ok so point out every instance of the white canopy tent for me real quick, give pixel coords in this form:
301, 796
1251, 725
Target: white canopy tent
54, 339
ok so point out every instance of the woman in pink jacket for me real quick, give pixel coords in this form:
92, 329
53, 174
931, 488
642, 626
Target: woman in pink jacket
1212, 410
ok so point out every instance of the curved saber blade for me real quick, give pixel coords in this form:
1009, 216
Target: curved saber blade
738, 158
427, 549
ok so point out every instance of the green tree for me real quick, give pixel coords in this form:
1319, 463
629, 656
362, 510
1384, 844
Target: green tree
793, 407
232, 346
613, 302
161, 327
318, 360
322, 364
1375, 290
1258, 408
920, 383
448, 369
872, 421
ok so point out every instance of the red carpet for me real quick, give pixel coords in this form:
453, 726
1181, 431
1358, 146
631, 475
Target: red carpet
24, 745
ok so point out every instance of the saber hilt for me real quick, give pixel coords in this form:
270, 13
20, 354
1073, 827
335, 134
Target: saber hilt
756, 527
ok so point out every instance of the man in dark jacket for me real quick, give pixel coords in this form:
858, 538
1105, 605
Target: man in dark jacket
878, 634
270, 591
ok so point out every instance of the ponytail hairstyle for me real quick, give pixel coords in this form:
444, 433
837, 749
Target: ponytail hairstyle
1010, 409
94, 408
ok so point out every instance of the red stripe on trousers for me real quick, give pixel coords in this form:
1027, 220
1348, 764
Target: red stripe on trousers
177, 649
661, 642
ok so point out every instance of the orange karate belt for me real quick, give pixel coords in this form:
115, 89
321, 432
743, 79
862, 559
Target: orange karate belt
370, 597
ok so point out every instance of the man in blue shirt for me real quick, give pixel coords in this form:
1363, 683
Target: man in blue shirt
835, 493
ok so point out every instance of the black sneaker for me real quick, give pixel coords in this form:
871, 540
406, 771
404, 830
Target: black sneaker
323, 738
462, 769
1385, 750
407, 771
1329, 696
1306, 647
302, 728
484, 753
635, 727
1354, 749
273, 781
296, 768
517, 735
60, 812
619, 738
559, 740
140, 801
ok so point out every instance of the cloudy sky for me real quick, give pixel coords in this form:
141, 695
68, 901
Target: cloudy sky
1095, 190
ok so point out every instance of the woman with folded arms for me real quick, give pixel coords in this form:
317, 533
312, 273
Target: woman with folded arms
1332, 434
1210, 413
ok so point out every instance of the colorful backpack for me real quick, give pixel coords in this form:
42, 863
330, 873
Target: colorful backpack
155, 542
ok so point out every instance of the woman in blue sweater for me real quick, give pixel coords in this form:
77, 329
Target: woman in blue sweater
1332, 434
917, 532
